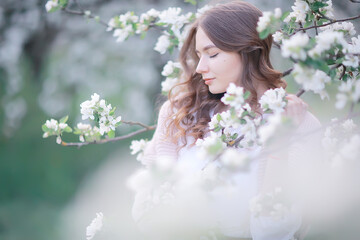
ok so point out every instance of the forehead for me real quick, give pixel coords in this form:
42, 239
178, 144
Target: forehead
202, 40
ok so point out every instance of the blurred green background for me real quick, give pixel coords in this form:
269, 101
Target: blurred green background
49, 64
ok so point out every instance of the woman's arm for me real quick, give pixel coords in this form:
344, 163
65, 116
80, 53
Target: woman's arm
161, 145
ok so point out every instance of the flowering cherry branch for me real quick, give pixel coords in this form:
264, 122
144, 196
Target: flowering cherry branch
130, 135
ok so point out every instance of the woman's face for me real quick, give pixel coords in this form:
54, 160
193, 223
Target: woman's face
217, 67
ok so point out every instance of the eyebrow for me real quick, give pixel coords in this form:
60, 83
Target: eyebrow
206, 48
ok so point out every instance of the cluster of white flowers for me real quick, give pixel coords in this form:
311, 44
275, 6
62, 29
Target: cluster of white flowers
94, 226
146, 19
278, 36
329, 10
124, 25
299, 12
210, 146
104, 113
273, 100
172, 17
349, 91
311, 79
340, 26
87, 133
172, 73
327, 39
294, 46
51, 4
234, 96
267, 18
138, 147
163, 43
354, 46
351, 61
54, 128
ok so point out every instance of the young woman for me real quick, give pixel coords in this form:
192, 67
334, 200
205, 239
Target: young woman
224, 47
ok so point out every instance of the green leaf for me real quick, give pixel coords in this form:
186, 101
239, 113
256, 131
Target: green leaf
77, 131
264, 33
317, 5
111, 134
160, 24
63, 3
242, 121
246, 95
285, 14
64, 119
68, 129
193, 2
112, 111
218, 117
44, 128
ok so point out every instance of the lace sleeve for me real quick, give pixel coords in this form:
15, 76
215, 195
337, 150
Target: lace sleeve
161, 145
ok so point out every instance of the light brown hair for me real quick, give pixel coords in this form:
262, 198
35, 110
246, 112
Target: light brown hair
232, 28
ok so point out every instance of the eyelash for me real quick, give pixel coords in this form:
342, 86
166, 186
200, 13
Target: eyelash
214, 55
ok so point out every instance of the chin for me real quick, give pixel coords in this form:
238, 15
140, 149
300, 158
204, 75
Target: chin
216, 90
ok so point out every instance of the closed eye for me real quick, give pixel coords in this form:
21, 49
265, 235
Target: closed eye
214, 55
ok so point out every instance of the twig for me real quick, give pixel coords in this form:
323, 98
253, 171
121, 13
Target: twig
137, 123
316, 29
326, 24
80, 144
287, 72
300, 92
82, 13
351, 109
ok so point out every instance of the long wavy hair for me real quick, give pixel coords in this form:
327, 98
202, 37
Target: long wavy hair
232, 28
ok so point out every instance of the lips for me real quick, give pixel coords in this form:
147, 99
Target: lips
208, 80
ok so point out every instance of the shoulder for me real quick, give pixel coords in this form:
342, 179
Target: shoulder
165, 109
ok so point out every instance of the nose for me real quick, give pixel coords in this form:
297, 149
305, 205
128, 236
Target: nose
202, 66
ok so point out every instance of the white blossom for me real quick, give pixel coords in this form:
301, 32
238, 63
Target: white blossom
354, 46
170, 67
348, 91
94, 226
273, 99
311, 79
264, 21
122, 33
278, 36
138, 147
172, 17
300, 9
52, 124
162, 44
351, 61
111, 24
83, 127
294, 47
168, 84
340, 26
63, 125
58, 140
325, 40
210, 146
234, 96
51, 4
